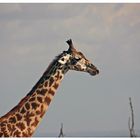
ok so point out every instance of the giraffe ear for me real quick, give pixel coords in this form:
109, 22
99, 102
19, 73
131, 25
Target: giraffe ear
71, 47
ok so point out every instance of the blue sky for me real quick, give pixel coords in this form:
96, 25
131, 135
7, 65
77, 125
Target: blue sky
31, 35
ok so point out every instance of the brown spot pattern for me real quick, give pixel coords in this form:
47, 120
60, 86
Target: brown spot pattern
23, 110
17, 133
3, 129
51, 92
40, 86
38, 112
46, 83
29, 132
21, 126
51, 81
24, 134
32, 99
35, 122
56, 85
3, 123
41, 115
10, 127
47, 100
34, 105
57, 76
12, 120
1, 134
42, 92
6, 134
18, 117
28, 118
27, 105
37, 91
40, 99
42, 111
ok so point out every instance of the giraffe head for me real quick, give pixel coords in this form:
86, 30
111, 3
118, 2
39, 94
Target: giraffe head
75, 60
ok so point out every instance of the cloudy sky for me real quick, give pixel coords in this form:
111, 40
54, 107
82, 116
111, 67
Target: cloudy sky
31, 35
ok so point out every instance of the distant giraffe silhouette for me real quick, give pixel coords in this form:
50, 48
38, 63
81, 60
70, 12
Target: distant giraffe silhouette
24, 118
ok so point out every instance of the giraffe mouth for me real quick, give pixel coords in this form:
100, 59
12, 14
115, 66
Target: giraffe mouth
92, 70
93, 73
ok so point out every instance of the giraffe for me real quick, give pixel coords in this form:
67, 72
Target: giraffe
24, 118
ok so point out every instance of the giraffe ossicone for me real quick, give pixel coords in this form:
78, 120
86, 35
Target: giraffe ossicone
24, 118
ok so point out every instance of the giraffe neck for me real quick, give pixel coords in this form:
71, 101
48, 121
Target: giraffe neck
23, 119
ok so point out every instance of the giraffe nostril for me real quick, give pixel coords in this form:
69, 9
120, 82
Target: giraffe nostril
97, 71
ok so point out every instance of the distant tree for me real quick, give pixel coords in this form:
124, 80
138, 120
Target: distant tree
131, 120
61, 134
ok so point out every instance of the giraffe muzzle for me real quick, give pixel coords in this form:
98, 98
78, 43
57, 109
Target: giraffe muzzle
92, 70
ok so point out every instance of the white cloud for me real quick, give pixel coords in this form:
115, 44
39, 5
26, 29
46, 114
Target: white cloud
94, 26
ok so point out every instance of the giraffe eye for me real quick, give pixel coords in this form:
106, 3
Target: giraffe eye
77, 59
74, 61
